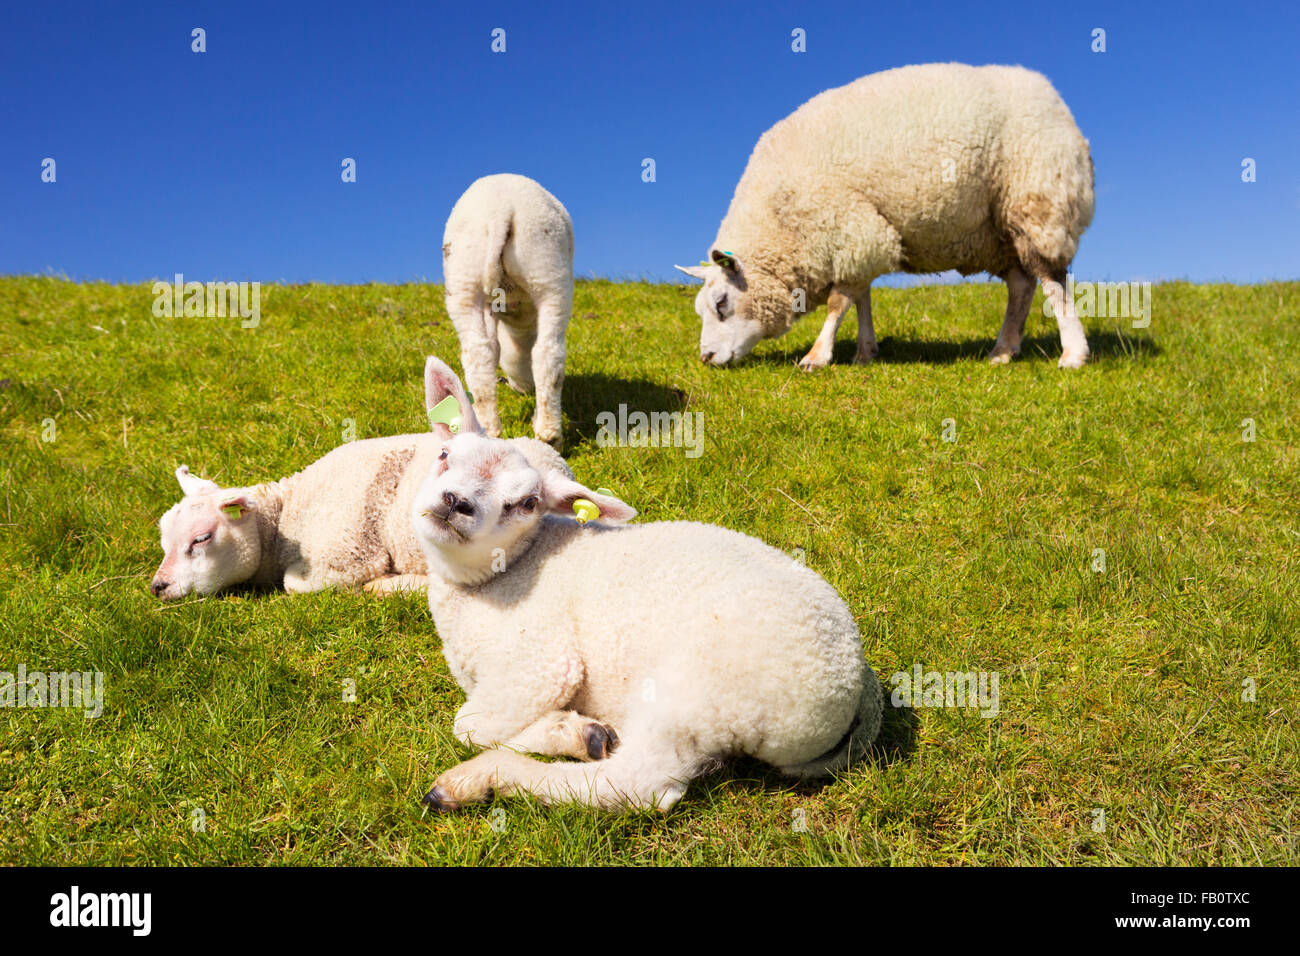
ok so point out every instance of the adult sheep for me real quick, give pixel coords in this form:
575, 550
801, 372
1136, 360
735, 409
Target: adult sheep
507, 260
918, 169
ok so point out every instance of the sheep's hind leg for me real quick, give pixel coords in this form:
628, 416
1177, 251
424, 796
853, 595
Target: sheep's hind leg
480, 353
867, 347
1020, 295
632, 778
548, 370
1074, 344
819, 356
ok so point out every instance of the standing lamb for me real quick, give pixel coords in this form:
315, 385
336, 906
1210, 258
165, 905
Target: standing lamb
917, 169
507, 259
676, 642
343, 521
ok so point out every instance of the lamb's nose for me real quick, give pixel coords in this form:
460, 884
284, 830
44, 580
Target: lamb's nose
705, 356
158, 586
454, 503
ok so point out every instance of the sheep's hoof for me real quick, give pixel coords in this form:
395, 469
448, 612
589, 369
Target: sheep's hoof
810, 363
1000, 358
438, 799
1073, 360
865, 358
600, 740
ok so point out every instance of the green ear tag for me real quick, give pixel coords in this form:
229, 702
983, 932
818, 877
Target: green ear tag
232, 511
585, 510
446, 412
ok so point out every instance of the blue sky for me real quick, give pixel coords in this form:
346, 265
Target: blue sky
226, 164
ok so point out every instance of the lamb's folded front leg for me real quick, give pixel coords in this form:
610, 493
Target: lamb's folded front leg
557, 733
566, 733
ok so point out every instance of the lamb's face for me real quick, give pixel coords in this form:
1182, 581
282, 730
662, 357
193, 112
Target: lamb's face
482, 500
206, 548
481, 495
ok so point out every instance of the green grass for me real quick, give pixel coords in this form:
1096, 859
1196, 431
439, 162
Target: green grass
1119, 690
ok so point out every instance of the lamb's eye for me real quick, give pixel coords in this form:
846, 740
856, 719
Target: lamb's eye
201, 538
443, 456
529, 503
720, 306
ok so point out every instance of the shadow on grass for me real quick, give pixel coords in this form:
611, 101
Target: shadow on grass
587, 395
1041, 348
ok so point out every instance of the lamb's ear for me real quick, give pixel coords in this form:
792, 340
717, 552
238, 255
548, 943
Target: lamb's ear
193, 485
235, 507
695, 272
559, 494
440, 383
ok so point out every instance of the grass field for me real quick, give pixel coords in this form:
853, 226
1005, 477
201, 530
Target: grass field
1126, 690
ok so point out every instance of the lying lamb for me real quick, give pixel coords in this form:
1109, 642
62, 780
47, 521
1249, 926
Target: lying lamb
342, 521
917, 169
678, 642
507, 260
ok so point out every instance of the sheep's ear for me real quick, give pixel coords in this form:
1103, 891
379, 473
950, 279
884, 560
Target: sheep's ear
235, 507
446, 420
727, 260
695, 272
560, 494
192, 485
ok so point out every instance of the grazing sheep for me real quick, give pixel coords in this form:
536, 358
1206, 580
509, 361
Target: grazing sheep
343, 521
677, 643
918, 169
507, 259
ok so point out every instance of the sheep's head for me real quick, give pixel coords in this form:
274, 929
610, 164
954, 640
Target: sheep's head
210, 540
738, 308
482, 502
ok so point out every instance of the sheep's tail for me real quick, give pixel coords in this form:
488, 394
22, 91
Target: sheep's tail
857, 739
493, 267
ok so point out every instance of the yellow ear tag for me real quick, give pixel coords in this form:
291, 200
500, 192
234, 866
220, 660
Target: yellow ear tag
446, 412
232, 511
585, 510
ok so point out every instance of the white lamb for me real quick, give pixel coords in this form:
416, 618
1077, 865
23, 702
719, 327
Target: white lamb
917, 169
680, 643
507, 259
343, 521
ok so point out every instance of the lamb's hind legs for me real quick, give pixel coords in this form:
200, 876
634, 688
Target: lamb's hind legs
632, 778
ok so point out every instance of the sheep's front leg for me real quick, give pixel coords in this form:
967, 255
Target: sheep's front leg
819, 356
566, 733
548, 370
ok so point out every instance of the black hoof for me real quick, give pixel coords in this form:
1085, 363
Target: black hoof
600, 740
440, 801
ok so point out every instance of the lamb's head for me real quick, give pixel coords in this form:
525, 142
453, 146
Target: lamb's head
482, 503
738, 308
210, 540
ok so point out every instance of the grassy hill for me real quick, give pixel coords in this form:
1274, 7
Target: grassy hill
1125, 690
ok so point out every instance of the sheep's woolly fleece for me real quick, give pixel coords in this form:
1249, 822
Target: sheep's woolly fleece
917, 169
694, 642
508, 238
